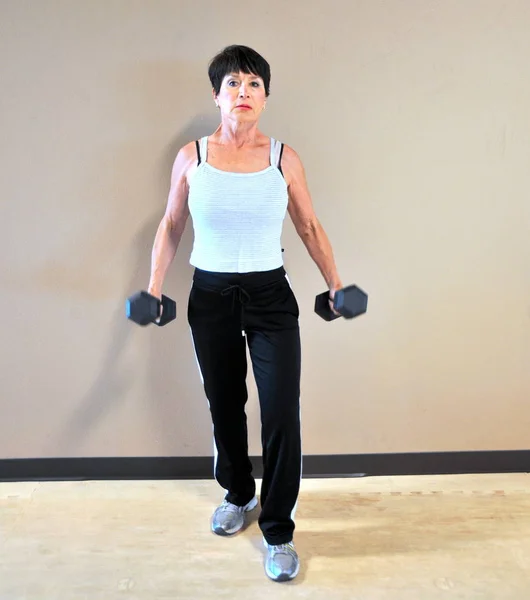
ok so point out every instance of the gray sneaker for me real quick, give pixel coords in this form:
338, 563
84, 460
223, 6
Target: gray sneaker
282, 562
229, 518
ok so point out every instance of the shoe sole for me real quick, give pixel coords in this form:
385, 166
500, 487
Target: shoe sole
283, 578
227, 532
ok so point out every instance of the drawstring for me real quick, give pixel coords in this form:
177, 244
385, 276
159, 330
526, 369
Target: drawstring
242, 295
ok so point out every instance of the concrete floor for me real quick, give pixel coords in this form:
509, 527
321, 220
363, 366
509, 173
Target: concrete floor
413, 538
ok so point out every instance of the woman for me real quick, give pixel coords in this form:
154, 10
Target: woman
238, 184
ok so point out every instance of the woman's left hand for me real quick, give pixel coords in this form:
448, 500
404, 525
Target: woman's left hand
331, 297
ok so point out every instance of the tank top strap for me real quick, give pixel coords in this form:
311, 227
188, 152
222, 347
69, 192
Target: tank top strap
203, 148
276, 154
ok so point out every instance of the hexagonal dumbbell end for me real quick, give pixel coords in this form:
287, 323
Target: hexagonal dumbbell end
142, 308
322, 307
350, 301
169, 311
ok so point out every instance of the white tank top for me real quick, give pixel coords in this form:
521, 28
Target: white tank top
237, 217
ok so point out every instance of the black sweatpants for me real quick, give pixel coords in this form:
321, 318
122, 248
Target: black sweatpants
225, 311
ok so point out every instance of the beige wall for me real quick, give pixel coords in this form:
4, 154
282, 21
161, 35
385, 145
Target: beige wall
413, 121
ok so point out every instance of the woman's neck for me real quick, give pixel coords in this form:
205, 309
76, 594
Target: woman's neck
232, 133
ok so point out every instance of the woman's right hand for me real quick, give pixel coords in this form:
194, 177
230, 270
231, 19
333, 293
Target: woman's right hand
158, 295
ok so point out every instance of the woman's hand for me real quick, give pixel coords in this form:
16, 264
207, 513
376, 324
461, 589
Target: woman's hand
332, 291
158, 295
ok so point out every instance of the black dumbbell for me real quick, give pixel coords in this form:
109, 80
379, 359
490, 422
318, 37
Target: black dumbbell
350, 302
143, 308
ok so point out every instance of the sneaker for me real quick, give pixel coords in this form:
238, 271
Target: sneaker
229, 518
282, 562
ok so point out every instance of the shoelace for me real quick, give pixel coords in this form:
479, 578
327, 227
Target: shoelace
228, 506
289, 548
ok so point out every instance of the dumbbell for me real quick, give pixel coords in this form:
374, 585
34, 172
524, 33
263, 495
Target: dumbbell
143, 308
350, 302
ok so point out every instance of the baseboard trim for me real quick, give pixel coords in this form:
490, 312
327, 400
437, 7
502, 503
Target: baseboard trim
328, 465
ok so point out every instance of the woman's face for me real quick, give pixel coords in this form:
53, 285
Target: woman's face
242, 96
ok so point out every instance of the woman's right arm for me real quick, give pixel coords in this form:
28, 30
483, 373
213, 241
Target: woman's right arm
173, 222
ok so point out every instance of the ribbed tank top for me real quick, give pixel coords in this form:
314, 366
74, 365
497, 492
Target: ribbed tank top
237, 217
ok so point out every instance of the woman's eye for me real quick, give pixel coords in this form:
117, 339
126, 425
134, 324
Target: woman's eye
255, 83
231, 82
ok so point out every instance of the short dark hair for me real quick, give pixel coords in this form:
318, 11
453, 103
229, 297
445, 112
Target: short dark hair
234, 59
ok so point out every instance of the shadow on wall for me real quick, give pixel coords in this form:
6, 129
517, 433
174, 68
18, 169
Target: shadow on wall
174, 390
173, 397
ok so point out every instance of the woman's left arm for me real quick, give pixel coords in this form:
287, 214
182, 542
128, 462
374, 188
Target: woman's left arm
305, 220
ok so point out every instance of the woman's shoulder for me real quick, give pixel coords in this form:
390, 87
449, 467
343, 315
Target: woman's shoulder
290, 158
188, 153
185, 161
189, 150
287, 150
